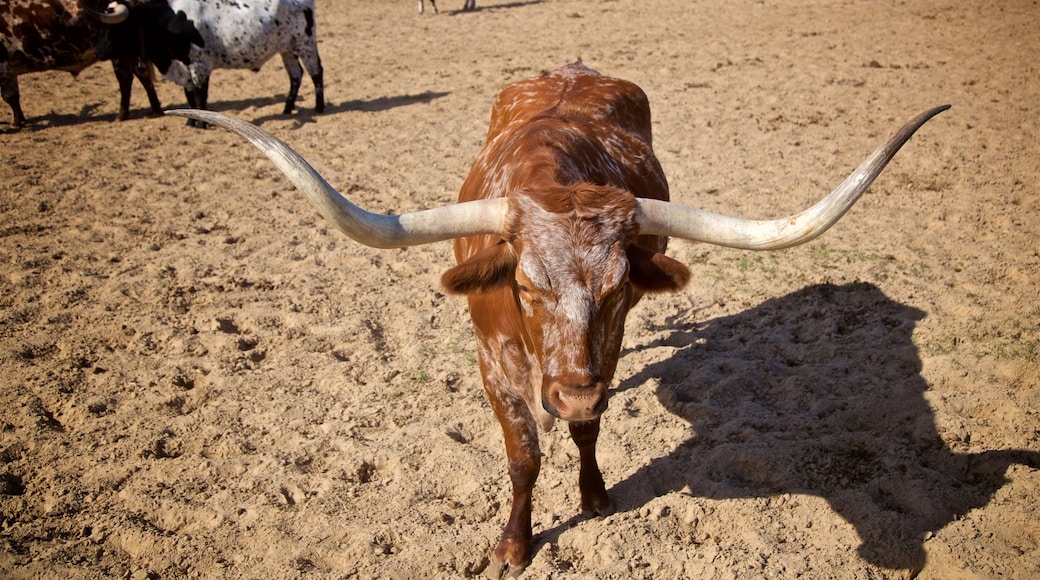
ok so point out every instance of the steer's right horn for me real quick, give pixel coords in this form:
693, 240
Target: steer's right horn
671, 219
371, 229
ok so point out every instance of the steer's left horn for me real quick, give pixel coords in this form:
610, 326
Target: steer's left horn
116, 13
669, 219
371, 229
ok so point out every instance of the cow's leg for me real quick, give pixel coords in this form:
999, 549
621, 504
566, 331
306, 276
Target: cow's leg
197, 97
319, 89
9, 90
594, 498
292, 66
203, 94
124, 70
513, 552
312, 62
189, 95
143, 72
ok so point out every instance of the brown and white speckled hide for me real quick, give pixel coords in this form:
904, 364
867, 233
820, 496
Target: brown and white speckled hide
571, 150
41, 35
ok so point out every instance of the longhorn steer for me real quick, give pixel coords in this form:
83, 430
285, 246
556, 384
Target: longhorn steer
245, 35
560, 228
41, 35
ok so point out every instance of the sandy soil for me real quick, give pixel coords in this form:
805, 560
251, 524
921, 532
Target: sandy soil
198, 378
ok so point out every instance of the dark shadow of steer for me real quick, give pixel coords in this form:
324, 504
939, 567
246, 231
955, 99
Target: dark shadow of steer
818, 392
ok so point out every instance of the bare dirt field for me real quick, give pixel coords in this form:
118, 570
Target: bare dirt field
199, 378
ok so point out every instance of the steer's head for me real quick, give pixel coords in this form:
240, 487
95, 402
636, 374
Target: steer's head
572, 266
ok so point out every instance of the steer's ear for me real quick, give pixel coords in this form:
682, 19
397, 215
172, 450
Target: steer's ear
652, 271
490, 268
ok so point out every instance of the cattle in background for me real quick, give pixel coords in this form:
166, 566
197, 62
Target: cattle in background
466, 6
170, 35
41, 35
560, 229
243, 35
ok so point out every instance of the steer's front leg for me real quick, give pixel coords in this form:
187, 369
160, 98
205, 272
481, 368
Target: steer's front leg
594, 498
513, 552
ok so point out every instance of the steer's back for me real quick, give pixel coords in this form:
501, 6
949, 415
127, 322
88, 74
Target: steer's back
573, 91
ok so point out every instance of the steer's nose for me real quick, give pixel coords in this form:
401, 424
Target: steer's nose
574, 399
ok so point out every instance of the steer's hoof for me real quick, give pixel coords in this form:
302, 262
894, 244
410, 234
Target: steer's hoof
499, 570
510, 559
597, 505
600, 512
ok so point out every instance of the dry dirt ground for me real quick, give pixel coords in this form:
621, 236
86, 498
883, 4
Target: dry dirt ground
199, 378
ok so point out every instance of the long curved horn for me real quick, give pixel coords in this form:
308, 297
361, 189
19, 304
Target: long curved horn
669, 219
371, 229
116, 13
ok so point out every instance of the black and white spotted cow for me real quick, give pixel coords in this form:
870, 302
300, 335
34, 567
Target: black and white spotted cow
466, 6
246, 34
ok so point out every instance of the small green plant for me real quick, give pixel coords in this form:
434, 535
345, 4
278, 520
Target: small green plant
419, 376
1021, 341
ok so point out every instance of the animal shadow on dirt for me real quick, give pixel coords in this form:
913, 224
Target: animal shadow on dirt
233, 107
385, 103
86, 115
241, 108
818, 392
305, 115
479, 8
